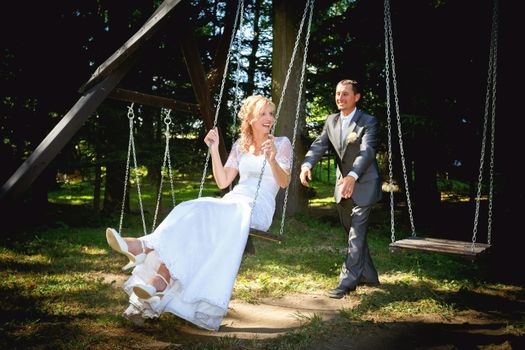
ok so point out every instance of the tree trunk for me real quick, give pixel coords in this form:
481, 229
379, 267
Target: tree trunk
214, 76
287, 17
426, 194
97, 186
115, 173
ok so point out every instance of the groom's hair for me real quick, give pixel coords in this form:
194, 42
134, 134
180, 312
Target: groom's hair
355, 85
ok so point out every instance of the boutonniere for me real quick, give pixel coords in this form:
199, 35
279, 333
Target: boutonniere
351, 138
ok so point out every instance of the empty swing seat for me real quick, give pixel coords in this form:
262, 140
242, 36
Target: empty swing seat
447, 246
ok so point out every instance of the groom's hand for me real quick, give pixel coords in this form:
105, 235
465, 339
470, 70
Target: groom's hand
305, 174
347, 183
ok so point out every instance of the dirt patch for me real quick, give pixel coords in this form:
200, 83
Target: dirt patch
113, 278
272, 317
476, 326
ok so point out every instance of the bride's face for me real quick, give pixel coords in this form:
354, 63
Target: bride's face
263, 120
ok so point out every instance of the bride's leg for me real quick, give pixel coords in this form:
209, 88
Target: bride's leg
136, 246
161, 279
133, 248
156, 285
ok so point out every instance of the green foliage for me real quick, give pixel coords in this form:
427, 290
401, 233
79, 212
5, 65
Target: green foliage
452, 185
325, 171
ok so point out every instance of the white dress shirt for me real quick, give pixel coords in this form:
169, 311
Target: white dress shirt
345, 122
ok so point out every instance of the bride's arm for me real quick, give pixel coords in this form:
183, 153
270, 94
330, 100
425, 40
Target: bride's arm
223, 176
282, 176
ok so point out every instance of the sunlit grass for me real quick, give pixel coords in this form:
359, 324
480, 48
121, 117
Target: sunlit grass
321, 202
81, 193
71, 199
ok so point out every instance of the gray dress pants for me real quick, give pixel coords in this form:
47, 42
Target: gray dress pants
358, 266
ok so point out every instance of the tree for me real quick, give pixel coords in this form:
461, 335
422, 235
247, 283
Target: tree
287, 16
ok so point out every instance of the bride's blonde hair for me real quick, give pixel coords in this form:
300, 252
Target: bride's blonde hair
250, 111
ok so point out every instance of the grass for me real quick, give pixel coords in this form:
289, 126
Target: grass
57, 285
81, 192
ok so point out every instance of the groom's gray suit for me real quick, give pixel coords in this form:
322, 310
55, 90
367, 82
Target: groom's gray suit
359, 157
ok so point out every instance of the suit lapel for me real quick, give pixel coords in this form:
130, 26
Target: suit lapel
336, 128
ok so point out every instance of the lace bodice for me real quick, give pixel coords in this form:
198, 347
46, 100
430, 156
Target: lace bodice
249, 167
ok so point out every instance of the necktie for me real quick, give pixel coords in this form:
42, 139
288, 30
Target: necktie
344, 124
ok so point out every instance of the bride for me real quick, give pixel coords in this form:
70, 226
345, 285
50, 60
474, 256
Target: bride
188, 265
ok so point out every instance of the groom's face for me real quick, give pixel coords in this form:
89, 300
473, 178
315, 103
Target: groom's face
345, 98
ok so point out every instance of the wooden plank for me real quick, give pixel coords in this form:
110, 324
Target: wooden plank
448, 246
265, 235
61, 134
199, 82
133, 43
440, 246
152, 100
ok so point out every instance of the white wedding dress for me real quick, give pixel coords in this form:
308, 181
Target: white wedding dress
202, 242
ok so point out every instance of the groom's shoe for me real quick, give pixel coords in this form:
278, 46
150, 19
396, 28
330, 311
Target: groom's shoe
339, 292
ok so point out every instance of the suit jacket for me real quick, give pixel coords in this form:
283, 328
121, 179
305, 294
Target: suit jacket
358, 156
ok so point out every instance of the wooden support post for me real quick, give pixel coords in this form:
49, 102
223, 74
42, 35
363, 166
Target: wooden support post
60, 135
99, 86
199, 82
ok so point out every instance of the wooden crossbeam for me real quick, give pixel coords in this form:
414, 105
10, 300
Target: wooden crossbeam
265, 235
462, 248
152, 100
133, 44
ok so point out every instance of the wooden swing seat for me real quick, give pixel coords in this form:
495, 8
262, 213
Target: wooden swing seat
446, 246
265, 235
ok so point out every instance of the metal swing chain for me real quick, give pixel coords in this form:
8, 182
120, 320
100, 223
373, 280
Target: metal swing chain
236, 104
400, 133
167, 122
398, 116
493, 122
297, 109
219, 100
281, 98
491, 87
389, 124
134, 153
124, 192
131, 150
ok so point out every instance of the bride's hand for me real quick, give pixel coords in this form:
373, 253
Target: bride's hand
268, 148
212, 138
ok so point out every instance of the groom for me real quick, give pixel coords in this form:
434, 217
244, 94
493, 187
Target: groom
353, 135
